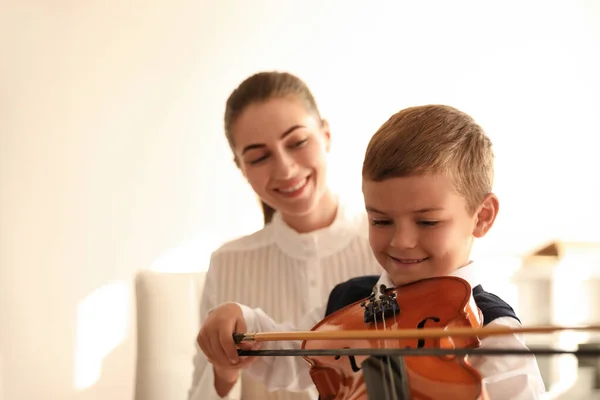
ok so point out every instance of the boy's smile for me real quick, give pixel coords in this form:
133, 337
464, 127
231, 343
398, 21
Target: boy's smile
420, 227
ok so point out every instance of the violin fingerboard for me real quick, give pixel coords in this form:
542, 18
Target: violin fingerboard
386, 378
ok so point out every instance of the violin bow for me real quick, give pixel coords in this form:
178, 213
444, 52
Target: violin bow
409, 334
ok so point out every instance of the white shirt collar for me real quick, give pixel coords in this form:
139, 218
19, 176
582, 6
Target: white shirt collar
322, 242
470, 272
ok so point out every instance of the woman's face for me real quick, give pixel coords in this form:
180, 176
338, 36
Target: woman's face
281, 149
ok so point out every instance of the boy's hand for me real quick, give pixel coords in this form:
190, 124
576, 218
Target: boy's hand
216, 341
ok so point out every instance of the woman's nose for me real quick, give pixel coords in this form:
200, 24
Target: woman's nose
285, 166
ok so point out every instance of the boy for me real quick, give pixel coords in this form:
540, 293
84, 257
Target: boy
427, 185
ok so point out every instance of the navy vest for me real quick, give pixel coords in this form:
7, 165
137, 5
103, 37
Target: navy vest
359, 288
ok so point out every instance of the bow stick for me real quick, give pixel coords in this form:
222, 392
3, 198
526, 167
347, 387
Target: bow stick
432, 352
402, 333
408, 334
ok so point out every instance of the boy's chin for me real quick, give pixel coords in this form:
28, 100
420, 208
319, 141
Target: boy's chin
402, 280
406, 279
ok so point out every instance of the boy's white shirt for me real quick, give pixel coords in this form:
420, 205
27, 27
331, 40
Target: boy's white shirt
504, 377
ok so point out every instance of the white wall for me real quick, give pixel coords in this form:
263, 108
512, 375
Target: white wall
111, 139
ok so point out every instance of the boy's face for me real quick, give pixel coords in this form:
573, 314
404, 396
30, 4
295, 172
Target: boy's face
421, 228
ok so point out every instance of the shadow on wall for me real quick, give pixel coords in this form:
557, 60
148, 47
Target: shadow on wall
110, 372
103, 323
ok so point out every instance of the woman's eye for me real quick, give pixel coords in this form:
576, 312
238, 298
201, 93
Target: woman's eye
258, 160
300, 143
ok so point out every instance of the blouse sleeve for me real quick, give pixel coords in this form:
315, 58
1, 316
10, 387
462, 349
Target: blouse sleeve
203, 387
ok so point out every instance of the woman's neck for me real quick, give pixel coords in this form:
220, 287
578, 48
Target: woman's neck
321, 217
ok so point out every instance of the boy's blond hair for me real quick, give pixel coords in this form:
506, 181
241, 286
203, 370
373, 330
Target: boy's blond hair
433, 139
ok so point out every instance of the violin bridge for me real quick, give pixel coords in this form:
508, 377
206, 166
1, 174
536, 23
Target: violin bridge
380, 306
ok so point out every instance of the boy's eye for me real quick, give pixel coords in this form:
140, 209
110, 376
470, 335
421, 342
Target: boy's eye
428, 223
380, 222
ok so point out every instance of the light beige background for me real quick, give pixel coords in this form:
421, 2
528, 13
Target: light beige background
112, 150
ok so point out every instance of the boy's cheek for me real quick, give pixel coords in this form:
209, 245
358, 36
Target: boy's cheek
381, 260
390, 272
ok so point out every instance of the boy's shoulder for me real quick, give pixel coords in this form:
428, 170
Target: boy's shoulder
355, 289
492, 307
350, 291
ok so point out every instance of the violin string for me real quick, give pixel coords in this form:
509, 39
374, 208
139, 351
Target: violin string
387, 358
392, 381
381, 367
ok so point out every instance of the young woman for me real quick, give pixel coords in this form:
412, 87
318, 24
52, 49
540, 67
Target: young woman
309, 244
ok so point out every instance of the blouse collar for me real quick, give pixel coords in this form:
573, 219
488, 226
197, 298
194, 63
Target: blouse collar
322, 242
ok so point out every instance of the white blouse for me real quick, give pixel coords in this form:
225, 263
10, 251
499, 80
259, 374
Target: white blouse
286, 274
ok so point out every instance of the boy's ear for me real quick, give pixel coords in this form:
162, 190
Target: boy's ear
486, 215
327, 133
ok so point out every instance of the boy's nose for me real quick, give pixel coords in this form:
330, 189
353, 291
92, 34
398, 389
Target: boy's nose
404, 239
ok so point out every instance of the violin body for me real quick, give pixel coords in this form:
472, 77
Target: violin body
442, 302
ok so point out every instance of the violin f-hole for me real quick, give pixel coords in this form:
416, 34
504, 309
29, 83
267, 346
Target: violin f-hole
421, 325
353, 364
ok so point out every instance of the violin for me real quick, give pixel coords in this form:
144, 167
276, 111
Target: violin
408, 342
421, 377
